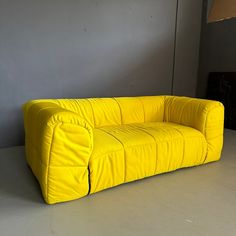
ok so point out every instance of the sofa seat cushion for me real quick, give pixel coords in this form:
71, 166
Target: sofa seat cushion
129, 152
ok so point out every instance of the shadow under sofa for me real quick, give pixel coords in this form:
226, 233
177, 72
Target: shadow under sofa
77, 147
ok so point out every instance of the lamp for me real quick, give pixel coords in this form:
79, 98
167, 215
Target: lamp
222, 10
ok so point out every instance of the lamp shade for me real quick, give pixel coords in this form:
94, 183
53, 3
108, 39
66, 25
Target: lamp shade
221, 10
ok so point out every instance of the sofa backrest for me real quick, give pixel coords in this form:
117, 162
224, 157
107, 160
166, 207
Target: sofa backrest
100, 112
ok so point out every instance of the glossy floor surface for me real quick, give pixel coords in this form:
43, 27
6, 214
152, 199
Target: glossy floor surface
195, 201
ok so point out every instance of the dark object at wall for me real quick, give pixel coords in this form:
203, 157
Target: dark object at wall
222, 87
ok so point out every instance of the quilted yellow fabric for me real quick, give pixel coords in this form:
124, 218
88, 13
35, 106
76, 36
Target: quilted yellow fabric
76, 147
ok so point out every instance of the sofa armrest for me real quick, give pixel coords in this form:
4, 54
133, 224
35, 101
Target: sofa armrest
59, 144
204, 115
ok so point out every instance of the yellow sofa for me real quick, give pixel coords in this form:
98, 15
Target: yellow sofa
77, 147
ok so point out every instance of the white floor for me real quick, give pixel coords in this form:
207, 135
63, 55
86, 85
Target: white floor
195, 201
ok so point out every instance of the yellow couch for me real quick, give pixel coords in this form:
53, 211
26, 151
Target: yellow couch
77, 147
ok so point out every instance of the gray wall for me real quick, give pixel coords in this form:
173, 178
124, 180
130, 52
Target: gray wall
92, 48
218, 49
187, 47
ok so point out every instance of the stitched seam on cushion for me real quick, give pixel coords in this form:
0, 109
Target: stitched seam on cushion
184, 106
83, 112
143, 144
164, 108
123, 149
121, 117
79, 110
183, 144
168, 100
217, 136
164, 111
140, 128
144, 118
105, 153
204, 156
49, 158
92, 111
167, 108
149, 143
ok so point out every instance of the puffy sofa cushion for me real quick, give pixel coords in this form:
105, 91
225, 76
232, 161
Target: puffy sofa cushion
129, 152
76, 147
